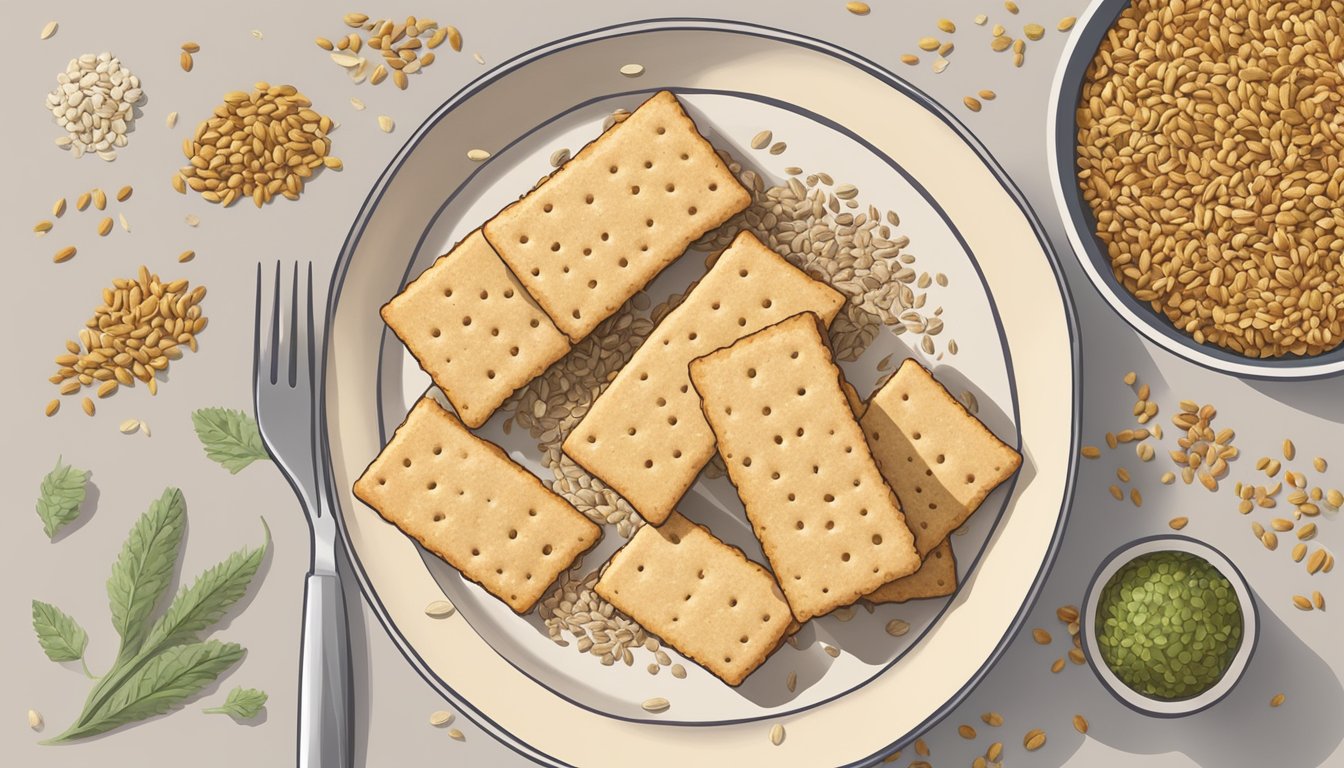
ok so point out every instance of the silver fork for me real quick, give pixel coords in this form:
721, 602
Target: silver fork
286, 379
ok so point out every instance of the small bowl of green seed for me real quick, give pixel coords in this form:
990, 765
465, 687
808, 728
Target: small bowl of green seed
1169, 625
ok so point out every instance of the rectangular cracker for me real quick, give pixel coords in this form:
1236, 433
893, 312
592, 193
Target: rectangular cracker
941, 461
831, 528
473, 329
936, 577
700, 595
609, 220
466, 501
645, 436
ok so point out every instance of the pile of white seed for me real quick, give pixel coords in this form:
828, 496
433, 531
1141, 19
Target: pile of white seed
94, 102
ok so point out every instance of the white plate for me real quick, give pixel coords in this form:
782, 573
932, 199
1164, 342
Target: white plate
1003, 305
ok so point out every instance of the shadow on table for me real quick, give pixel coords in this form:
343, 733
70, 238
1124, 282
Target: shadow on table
1240, 730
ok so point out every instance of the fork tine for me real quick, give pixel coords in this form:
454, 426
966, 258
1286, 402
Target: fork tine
258, 355
310, 342
274, 347
293, 337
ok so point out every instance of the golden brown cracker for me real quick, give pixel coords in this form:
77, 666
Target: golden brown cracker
622, 209
466, 501
700, 595
941, 461
936, 577
646, 436
473, 329
831, 528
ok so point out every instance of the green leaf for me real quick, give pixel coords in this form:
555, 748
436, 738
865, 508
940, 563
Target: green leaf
193, 611
229, 437
200, 605
58, 634
243, 703
62, 493
144, 569
164, 683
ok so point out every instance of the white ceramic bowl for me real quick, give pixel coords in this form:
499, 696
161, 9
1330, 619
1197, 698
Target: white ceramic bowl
1250, 629
1079, 50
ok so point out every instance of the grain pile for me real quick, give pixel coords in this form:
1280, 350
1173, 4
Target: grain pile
142, 324
822, 228
257, 145
94, 103
1209, 146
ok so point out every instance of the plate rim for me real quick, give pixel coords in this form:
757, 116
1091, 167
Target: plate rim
694, 23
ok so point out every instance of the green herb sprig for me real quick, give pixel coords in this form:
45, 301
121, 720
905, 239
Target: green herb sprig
229, 437
159, 665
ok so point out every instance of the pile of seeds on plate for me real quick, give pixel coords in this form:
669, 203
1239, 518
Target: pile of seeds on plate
94, 103
574, 608
820, 227
141, 325
1209, 149
405, 48
551, 405
257, 145
96, 198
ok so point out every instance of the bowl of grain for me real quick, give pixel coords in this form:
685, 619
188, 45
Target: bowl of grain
1169, 625
1195, 153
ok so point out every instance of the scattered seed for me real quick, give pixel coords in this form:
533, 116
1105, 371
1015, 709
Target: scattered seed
896, 627
185, 256
966, 731
65, 254
53, 407
385, 123
1289, 450
791, 682
1135, 497
679, 672
1168, 478
1319, 464
1302, 603
559, 157
129, 426
939, 66
48, 30
440, 609
477, 155
777, 734
986, 95
1178, 523
456, 735
1080, 724
993, 719
256, 33
909, 58
778, 148
929, 43
186, 61
995, 751
1270, 540
980, 19
1034, 740
858, 9
656, 704
1057, 666
1318, 600
1066, 23
1091, 452
971, 103
1299, 552
440, 718
88, 406
831, 650
1041, 636
105, 226
1077, 657
1315, 561
921, 748
1034, 32
1277, 700
632, 70
1118, 494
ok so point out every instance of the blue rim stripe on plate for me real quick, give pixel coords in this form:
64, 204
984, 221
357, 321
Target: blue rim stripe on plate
771, 33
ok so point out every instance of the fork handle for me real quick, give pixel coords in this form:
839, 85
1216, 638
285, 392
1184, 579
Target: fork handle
325, 737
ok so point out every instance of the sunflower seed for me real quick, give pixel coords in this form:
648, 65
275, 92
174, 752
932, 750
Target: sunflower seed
632, 70
897, 627
478, 155
777, 734
440, 609
656, 704
441, 718
1080, 724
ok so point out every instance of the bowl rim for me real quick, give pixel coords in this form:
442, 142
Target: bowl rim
1078, 51
1236, 668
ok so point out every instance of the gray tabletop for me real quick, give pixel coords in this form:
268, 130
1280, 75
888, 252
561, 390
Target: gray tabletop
1299, 653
